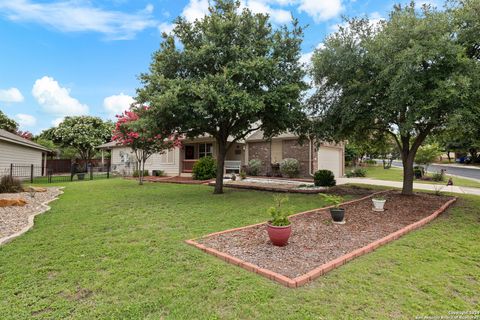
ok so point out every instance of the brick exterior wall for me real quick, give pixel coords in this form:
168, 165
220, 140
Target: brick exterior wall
260, 151
292, 149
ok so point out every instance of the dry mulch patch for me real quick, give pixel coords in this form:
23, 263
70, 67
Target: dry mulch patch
315, 240
14, 219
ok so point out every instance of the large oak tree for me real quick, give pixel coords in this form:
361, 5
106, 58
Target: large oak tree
403, 77
226, 75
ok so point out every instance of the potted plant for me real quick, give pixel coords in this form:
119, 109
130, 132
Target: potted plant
279, 227
337, 213
379, 203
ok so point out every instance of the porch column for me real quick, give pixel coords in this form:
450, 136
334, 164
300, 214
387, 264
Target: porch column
44, 164
102, 158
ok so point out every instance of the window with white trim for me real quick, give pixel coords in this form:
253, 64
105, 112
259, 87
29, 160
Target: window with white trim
205, 150
168, 157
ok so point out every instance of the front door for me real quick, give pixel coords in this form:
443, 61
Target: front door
189, 152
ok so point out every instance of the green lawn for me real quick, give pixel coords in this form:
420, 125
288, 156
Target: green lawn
111, 249
396, 174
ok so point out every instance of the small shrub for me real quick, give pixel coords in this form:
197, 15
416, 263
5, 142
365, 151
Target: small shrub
254, 167
136, 173
370, 162
438, 176
418, 172
10, 185
158, 173
233, 177
278, 213
290, 167
358, 172
205, 168
242, 175
324, 178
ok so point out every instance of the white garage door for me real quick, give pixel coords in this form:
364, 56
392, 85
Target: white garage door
330, 159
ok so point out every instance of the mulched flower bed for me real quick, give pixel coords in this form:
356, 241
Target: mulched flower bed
315, 240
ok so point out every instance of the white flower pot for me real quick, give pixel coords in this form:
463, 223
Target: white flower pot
378, 204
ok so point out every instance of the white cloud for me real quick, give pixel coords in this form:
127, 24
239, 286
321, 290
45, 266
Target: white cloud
25, 120
116, 104
79, 16
279, 10
57, 121
321, 10
55, 99
11, 95
195, 9
165, 27
277, 15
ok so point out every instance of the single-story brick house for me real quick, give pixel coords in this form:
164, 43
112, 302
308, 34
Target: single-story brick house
21, 152
179, 161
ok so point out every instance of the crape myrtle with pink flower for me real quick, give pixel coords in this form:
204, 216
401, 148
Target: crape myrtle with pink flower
132, 130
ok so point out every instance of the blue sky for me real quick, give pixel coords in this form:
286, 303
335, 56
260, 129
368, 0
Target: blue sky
73, 57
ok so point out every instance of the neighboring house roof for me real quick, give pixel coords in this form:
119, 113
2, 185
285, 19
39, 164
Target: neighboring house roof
13, 138
259, 136
108, 145
202, 138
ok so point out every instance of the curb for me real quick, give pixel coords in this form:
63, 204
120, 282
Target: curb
31, 220
323, 269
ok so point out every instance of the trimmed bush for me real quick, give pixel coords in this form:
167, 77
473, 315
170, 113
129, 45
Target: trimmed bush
358, 172
158, 173
205, 168
10, 185
290, 167
136, 173
324, 178
254, 167
438, 176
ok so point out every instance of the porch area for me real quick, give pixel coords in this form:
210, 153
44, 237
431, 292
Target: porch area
192, 152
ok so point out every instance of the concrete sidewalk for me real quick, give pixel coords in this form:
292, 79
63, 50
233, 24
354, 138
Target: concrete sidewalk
418, 186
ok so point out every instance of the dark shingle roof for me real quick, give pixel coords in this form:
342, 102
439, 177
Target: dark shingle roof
13, 138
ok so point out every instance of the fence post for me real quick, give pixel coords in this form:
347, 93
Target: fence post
31, 173
11, 170
108, 171
91, 172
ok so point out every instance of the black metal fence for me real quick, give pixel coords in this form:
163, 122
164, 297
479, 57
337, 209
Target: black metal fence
40, 174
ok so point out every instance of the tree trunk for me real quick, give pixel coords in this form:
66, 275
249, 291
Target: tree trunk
408, 175
222, 150
140, 174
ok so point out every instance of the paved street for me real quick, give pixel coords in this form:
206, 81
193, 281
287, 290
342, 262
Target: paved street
473, 173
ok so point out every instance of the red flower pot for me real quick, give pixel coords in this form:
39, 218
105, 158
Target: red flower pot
279, 235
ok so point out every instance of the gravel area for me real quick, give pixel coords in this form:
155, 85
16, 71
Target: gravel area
315, 240
14, 219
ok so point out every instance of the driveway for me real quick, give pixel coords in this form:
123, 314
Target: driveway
456, 170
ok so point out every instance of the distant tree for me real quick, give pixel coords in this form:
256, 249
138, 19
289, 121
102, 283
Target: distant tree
403, 77
82, 133
427, 154
8, 124
231, 75
130, 130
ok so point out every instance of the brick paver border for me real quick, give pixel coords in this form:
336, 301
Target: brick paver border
323, 269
